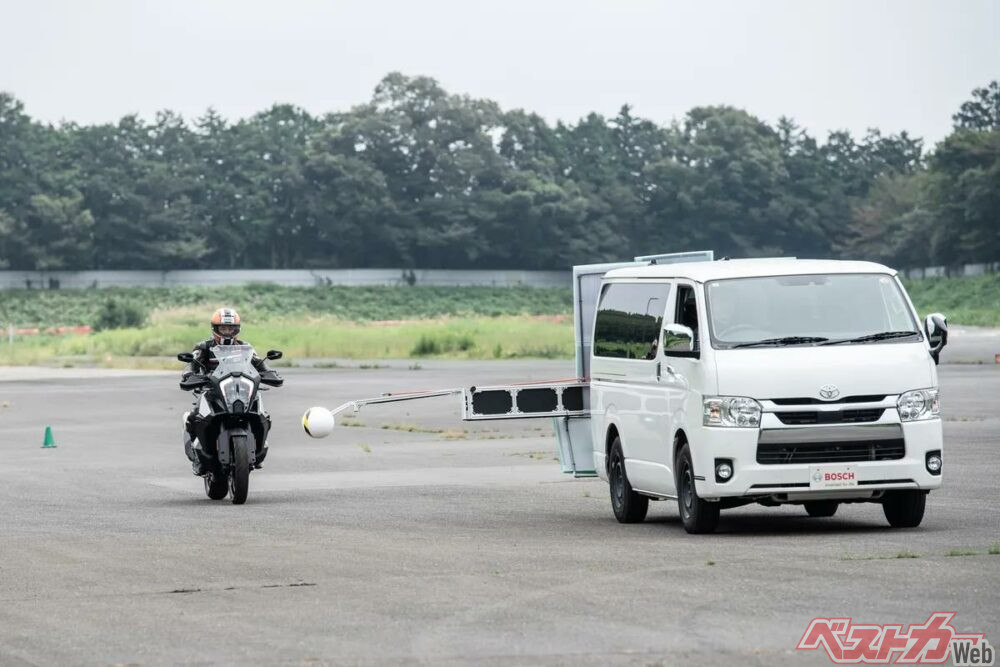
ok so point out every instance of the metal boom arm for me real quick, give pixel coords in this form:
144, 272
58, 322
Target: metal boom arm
560, 398
356, 405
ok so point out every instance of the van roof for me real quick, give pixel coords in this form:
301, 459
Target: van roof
747, 268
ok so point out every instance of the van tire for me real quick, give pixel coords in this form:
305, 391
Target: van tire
904, 508
697, 515
821, 508
628, 506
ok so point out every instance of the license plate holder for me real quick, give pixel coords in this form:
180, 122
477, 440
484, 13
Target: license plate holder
832, 477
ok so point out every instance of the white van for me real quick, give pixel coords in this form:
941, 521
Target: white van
774, 381
724, 383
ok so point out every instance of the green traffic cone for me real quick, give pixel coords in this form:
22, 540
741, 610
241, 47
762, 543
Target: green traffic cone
49, 441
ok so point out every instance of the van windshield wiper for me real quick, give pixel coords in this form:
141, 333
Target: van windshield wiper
883, 335
787, 340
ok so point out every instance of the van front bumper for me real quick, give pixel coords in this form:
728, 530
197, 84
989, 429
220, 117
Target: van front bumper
792, 480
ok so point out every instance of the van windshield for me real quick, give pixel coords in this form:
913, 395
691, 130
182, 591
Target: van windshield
832, 309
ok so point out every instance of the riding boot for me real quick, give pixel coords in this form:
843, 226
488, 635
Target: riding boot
192, 448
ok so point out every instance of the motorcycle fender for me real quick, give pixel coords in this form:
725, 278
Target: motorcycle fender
225, 448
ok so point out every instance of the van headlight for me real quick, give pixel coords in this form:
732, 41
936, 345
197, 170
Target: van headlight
731, 411
918, 404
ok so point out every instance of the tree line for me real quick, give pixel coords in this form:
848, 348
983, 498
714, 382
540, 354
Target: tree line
421, 178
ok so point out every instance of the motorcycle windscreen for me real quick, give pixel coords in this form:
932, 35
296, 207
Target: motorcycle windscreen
233, 359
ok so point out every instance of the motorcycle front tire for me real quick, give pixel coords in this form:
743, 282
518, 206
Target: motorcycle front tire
239, 478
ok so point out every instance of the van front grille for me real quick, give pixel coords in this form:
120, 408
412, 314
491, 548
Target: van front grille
816, 401
838, 417
844, 451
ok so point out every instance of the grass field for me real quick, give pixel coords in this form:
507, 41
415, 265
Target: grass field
345, 322
973, 301
357, 322
462, 338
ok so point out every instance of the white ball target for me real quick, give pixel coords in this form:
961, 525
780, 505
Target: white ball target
318, 422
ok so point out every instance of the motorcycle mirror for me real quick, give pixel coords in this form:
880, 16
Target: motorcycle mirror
936, 328
273, 354
186, 357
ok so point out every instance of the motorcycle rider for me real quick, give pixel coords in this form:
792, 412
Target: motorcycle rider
225, 329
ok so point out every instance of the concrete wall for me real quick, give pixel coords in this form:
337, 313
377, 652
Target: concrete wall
306, 277
84, 279
953, 271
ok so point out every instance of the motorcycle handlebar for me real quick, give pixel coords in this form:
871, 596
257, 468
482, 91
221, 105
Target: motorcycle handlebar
197, 381
193, 382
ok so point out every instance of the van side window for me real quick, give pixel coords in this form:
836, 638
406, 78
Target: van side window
629, 319
686, 311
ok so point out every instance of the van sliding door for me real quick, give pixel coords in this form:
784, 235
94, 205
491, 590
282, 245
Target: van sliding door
574, 434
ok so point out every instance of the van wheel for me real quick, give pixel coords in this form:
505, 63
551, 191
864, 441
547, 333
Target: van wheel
822, 508
698, 516
629, 506
904, 509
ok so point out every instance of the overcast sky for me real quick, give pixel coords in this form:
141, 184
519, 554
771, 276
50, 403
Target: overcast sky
896, 65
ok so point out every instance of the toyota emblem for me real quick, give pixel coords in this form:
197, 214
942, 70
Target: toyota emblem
829, 392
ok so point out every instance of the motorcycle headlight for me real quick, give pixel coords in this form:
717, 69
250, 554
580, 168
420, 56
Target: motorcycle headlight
918, 404
731, 411
237, 389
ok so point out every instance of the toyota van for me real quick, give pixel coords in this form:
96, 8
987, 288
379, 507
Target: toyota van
770, 381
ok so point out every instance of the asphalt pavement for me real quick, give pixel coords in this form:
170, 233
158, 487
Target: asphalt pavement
412, 537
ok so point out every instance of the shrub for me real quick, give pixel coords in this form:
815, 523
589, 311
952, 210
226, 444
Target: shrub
114, 314
426, 346
463, 343
430, 345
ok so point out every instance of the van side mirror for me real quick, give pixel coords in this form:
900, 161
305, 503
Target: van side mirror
186, 357
678, 341
936, 328
273, 355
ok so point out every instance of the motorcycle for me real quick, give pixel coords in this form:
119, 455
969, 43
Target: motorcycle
230, 425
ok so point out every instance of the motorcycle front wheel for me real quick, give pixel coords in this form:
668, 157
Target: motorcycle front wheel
239, 479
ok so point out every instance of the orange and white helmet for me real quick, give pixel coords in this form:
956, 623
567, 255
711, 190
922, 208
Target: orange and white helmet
225, 326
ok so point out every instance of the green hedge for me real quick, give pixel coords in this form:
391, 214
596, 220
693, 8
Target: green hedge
47, 308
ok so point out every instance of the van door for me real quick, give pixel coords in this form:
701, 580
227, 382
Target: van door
682, 373
581, 442
625, 389
579, 455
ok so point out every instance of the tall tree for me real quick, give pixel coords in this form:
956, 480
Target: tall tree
420, 177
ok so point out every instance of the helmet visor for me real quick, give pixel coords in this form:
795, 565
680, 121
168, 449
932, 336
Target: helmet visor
227, 330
